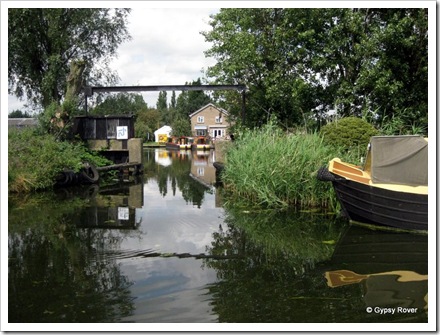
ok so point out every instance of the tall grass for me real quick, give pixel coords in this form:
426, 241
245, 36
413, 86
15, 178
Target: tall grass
269, 168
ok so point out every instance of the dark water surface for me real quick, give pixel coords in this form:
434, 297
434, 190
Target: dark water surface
165, 249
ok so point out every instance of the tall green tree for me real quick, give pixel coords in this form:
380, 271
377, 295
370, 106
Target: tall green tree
147, 122
296, 61
43, 41
173, 100
161, 103
181, 126
167, 115
396, 78
121, 104
190, 101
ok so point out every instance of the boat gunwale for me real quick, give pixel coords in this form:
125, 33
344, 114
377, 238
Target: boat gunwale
402, 188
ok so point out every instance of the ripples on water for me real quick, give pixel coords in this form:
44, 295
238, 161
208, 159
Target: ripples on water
165, 250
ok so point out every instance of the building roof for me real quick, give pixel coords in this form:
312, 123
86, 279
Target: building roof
164, 129
209, 105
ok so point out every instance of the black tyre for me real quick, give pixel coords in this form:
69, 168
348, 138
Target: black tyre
89, 173
325, 175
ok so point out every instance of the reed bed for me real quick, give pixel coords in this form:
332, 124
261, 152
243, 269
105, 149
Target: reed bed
269, 168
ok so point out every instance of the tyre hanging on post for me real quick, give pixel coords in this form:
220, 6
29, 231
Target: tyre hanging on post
89, 173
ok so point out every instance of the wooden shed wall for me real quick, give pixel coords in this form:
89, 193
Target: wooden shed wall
101, 128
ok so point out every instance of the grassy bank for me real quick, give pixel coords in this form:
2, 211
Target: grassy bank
35, 159
269, 168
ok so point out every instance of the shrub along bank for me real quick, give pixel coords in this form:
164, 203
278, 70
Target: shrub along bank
268, 168
35, 159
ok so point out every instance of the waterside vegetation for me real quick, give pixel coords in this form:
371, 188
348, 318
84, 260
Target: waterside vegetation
270, 168
35, 159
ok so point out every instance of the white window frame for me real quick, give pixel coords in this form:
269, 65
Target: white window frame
218, 119
200, 119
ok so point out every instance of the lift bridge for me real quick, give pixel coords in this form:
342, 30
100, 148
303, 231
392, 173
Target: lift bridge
114, 135
90, 90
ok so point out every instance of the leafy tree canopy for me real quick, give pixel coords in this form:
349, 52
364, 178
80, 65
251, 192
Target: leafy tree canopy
121, 104
296, 61
190, 101
43, 41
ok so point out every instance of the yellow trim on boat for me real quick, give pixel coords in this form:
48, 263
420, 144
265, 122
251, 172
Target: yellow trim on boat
355, 173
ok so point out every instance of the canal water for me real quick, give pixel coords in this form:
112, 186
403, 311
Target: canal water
169, 248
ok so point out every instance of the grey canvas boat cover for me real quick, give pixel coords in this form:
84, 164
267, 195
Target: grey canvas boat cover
399, 160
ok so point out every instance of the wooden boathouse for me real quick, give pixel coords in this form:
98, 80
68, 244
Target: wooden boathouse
114, 137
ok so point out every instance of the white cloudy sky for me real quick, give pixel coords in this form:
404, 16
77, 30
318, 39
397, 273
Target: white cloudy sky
166, 49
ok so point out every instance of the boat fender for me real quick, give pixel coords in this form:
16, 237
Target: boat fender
325, 175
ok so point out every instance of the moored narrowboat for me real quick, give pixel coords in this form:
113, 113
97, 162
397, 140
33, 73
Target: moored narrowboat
179, 143
202, 143
391, 189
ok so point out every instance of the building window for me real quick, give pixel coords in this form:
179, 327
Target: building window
218, 133
218, 119
201, 132
200, 119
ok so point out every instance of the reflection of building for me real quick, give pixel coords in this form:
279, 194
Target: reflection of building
203, 171
113, 208
209, 120
162, 157
202, 168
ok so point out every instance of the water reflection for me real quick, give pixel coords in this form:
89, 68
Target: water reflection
54, 272
189, 172
112, 207
389, 268
275, 278
164, 249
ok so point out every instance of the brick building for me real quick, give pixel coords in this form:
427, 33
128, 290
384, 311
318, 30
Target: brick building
209, 121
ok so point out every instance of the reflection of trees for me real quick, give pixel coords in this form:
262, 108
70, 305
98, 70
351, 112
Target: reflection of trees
279, 274
177, 175
301, 239
275, 279
268, 237
56, 273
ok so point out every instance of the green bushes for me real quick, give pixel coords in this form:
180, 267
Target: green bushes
34, 160
347, 133
271, 169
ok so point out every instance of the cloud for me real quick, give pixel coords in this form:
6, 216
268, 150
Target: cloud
166, 49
